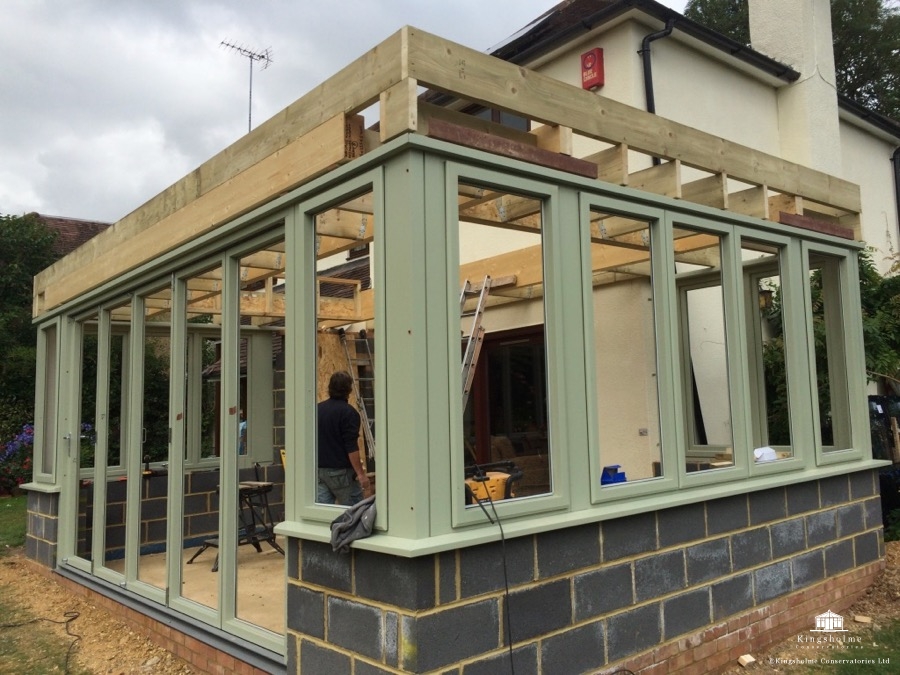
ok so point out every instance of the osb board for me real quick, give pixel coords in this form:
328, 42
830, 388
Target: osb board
119, 250
331, 358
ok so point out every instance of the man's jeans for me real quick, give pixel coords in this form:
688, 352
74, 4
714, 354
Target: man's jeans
338, 486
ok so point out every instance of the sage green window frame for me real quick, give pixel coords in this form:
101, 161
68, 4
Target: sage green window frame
301, 358
661, 260
732, 301
845, 343
47, 428
794, 336
565, 373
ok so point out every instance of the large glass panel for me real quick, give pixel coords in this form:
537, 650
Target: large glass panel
115, 404
200, 529
259, 584
698, 267
345, 348
765, 307
504, 397
48, 404
86, 437
830, 355
155, 436
624, 349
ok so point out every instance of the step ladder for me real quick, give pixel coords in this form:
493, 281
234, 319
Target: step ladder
361, 365
475, 338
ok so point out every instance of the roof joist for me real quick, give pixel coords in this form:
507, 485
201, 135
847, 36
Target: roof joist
322, 130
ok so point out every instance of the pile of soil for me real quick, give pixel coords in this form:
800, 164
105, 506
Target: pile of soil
104, 645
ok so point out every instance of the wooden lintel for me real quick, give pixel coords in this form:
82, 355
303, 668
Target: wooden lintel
500, 146
807, 223
322, 149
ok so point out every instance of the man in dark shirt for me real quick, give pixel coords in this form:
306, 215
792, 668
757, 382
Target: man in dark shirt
341, 477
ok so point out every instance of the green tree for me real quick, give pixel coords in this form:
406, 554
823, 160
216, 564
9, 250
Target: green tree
866, 37
27, 249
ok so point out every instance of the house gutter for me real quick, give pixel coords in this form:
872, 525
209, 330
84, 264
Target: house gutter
646, 62
539, 40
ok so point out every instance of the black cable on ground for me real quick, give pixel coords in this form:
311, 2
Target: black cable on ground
70, 617
480, 474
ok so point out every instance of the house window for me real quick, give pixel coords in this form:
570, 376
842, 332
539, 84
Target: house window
624, 348
506, 418
765, 306
501, 276
705, 350
826, 326
46, 413
346, 334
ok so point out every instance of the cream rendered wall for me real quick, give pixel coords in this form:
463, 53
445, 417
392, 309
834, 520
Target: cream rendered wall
867, 162
625, 377
689, 87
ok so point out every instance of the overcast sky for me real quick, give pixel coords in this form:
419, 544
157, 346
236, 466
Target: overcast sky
104, 103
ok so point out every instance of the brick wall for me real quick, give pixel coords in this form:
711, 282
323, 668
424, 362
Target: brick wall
686, 589
201, 509
43, 525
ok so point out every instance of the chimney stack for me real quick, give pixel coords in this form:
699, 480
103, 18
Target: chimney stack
798, 33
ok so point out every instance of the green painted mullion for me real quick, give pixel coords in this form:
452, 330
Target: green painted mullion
673, 435
736, 350
800, 357
444, 408
399, 294
229, 407
300, 362
568, 330
101, 442
175, 501
134, 435
69, 367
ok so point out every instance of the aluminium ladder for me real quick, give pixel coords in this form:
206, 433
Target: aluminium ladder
475, 338
361, 365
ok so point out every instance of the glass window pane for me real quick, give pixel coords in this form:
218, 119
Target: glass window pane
698, 266
48, 407
624, 349
200, 529
503, 355
830, 357
765, 306
157, 328
259, 581
87, 437
347, 330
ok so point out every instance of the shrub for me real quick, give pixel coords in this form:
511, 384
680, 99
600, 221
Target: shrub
15, 460
892, 527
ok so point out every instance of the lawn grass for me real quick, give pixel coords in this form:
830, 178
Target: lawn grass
28, 644
34, 647
879, 652
12, 522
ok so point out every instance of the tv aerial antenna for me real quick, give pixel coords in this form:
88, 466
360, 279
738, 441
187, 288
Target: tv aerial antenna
264, 57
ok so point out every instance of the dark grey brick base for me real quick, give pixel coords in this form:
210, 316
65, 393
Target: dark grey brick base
582, 598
